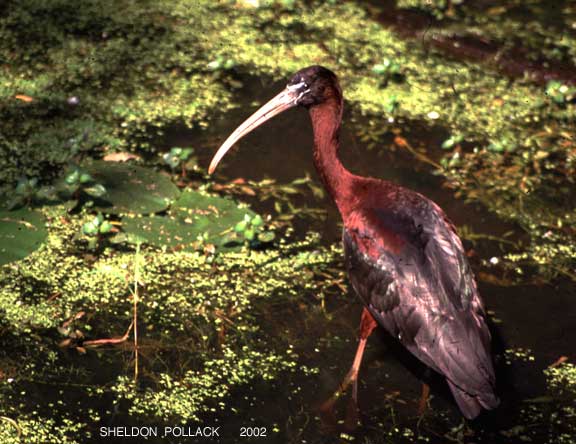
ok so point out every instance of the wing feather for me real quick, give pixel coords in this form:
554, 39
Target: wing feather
411, 271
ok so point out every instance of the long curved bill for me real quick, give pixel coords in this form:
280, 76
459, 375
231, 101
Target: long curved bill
283, 101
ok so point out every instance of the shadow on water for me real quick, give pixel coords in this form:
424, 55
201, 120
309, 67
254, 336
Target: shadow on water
527, 317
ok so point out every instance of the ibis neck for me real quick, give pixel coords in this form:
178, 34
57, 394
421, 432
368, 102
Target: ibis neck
338, 181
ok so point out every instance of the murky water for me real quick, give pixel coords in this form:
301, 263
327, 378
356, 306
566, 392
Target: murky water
539, 318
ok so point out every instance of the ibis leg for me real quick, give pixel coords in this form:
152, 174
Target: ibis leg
367, 325
423, 399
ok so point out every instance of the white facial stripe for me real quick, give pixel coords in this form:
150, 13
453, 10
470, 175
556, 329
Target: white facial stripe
296, 87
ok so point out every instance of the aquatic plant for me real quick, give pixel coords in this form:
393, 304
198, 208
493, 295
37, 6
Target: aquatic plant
559, 416
388, 70
95, 228
25, 192
184, 70
560, 92
36, 429
211, 305
105, 78
132, 189
21, 232
452, 142
251, 229
177, 157
195, 220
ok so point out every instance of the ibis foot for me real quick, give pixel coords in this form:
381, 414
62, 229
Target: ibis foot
327, 408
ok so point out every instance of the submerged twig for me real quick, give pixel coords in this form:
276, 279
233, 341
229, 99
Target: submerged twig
108, 341
403, 143
135, 308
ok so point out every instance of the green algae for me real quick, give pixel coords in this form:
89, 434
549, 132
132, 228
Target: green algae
562, 378
560, 416
132, 72
524, 169
203, 391
543, 32
198, 321
136, 73
35, 429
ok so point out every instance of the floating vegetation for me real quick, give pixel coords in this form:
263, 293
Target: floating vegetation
199, 326
21, 233
197, 219
34, 429
132, 189
282, 195
518, 354
202, 391
555, 413
523, 152
109, 80
178, 157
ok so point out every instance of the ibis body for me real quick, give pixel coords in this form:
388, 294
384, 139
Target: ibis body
403, 256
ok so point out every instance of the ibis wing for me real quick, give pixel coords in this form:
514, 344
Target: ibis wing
411, 271
420, 249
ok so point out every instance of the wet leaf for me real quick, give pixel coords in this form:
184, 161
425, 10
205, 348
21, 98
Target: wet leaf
240, 226
70, 205
266, 237
24, 98
85, 178
194, 218
65, 343
106, 227
290, 190
447, 144
21, 233
97, 190
451, 142
120, 157
249, 234
73, 177
496, 146
90, 228
133, 189
257, 221
247, 190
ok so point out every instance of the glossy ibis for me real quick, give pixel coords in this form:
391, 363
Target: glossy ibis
403, 256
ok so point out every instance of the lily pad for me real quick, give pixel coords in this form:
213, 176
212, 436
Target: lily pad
200, 204
163, 231
132, 189
21, 233
213, 214
194, 218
